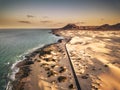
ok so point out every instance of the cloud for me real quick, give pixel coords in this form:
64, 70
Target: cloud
59, 23
26, 22
30, 16
45, 17
80, 22
46, 21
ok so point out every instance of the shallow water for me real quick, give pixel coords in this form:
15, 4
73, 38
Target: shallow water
14, 43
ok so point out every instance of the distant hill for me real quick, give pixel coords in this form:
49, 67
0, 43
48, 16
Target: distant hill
70, 26
102, 27
74, 26
110, 27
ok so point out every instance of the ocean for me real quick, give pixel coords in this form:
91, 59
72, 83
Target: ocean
15, 43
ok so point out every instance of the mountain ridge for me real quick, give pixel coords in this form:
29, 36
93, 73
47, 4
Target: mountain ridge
102, 27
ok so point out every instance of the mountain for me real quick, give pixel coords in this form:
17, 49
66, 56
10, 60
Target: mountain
116, 26
102, 27
110, 27
73, 27
70, 26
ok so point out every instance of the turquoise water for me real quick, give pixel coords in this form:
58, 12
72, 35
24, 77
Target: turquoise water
14, 43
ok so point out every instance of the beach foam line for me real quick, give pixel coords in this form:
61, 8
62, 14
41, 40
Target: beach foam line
22, 56
9, 86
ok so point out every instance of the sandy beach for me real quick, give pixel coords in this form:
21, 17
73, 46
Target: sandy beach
94, 57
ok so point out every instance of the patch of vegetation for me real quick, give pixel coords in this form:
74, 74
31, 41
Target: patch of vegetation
38, 60
47, 68
61, 78
17, 85
29, 62
105, 65
26, 71
47, 59
70, 86
50, 73
43, 64
53, 60
84, 77
23, 72
52, 66
62, 69
43, 52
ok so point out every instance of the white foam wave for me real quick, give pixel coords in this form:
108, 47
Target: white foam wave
9, 86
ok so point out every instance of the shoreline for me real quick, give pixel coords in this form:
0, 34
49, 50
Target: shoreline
25, 70
24, 66
18, 64
25, 59
94, 60
15, 66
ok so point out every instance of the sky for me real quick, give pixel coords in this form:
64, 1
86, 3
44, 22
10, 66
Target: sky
57, 13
